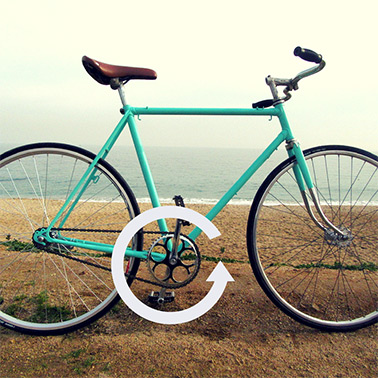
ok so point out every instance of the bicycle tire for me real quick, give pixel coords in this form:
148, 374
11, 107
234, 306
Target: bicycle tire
310, 274
59, 289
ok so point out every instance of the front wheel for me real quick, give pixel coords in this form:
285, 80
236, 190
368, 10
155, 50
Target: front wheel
313, 275
56, 288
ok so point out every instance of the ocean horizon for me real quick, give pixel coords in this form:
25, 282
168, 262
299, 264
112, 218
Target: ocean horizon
200, 175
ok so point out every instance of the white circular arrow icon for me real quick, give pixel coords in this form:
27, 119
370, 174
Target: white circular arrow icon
219, 275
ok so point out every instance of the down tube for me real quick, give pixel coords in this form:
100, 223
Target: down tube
281, 137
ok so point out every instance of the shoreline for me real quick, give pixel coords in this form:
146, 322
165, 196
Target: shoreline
197, 201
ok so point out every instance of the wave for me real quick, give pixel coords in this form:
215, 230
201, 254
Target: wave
198, 201
245, 202
12, 179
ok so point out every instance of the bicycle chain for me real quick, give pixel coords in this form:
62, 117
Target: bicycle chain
101, 230
127, 275
104, 267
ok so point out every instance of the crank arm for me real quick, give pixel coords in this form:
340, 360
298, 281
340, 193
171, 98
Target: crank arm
175, 242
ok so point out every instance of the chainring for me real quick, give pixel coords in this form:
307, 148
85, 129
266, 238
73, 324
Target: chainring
178, 273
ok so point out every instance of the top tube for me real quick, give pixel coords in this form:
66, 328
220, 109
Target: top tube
205, 111
277, 111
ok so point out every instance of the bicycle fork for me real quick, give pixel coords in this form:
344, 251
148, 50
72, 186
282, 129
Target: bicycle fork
304, 181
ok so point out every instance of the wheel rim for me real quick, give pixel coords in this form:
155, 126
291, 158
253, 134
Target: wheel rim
57, 288
312, 274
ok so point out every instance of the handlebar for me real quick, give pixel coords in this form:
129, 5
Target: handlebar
292, 84
308, 55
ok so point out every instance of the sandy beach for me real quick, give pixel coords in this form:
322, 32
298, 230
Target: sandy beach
243, 335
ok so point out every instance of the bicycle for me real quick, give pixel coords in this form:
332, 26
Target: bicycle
310, 234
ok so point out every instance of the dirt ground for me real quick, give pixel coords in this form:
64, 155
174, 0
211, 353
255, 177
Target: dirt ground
243, 335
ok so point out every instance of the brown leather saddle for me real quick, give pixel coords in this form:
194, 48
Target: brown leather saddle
106, 73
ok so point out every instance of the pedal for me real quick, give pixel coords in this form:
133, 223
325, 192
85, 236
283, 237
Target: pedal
179, 201
161, 298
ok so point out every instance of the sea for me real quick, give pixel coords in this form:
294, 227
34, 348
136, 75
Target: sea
199, 175
204, 175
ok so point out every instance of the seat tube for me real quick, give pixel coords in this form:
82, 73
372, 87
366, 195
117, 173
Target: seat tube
146, 171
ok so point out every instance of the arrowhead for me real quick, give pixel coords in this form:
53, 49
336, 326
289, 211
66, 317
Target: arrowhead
220, 273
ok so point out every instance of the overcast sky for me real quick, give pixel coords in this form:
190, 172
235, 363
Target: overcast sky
206, 54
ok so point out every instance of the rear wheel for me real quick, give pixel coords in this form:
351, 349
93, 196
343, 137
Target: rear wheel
56, 288
315, 276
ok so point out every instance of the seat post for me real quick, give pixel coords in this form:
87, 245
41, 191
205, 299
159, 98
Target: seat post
122, 95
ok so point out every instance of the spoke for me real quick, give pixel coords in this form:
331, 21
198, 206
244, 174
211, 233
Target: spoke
339, 183
71, 286
42, 197
287, 237
363, 271
328, 182
68, 287
317, 186
18, 256
38, 197
324, 277
345, 280
352, 183
24, 211
305, 219
358, 198
328, 305
68, 284
87, 267
300, 272
362, 227
68, 192
102, 218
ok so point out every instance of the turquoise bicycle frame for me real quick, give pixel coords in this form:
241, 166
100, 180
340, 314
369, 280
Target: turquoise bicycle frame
300, 169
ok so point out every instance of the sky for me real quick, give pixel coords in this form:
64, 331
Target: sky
205, 53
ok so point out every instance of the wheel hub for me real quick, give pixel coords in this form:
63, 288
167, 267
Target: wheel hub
334, 238
40, 239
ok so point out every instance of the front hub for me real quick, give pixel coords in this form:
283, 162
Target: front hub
334, 238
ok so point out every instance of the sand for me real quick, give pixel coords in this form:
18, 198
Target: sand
243, 335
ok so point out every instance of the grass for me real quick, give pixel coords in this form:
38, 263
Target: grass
192, 256
46, 312
80, 365
337, 265
369, 266
74, 354
41, 310
222, 259
17, 245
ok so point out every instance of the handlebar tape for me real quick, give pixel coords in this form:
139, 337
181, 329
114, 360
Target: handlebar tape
308, 55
